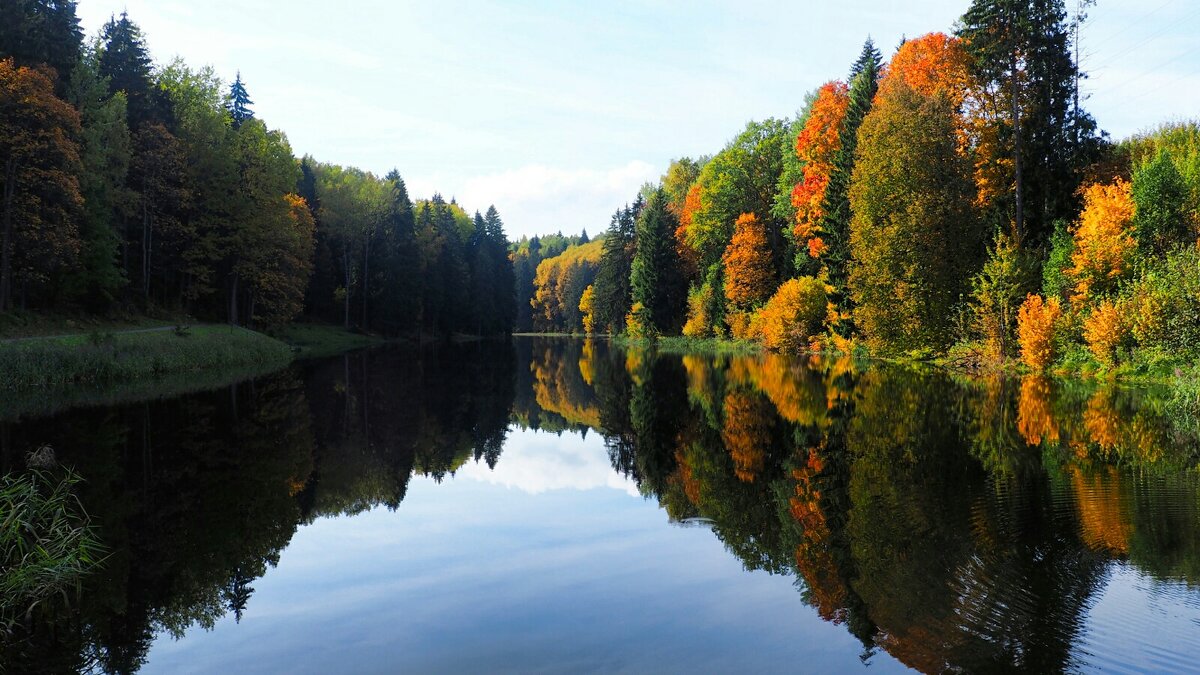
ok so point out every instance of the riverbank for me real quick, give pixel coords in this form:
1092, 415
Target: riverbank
101, 358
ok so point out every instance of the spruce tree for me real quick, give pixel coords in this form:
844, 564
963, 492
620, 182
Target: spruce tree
35, 32
239, 102
864, 82
656, 278
611, 299
1022, 50
125, 61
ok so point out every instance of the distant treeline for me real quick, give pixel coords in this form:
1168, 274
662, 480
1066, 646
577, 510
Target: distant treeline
134, 187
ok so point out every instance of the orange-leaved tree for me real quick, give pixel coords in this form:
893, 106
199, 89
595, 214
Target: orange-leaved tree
817, 145
1104, 241
1036, 322
749, 274
39, 166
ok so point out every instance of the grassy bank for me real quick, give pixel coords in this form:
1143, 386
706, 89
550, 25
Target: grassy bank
316, 340
102, 358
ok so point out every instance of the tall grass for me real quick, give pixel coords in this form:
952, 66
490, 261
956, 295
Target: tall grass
47, 544
104, 358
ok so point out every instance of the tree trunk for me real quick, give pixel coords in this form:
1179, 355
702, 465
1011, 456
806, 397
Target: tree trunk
233, 304
1018, 163
346, 261
366, 281
146, 253
10, 193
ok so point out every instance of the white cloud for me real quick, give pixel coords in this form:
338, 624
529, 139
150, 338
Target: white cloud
539, 199
536, 462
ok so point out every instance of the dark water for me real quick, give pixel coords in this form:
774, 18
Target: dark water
555, 505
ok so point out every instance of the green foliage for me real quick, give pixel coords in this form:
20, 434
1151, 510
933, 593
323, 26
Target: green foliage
1056, 280
1162, 220
1007, 276
656, 278
612, 299
915, 236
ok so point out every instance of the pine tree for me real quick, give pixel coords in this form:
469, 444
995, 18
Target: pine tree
835, 225
35, 32
502, 302
610, 294
105, 154
239, 102
125, 61
656, 277
1021, 50
869, 60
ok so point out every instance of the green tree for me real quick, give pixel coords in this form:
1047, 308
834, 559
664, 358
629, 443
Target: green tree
914, 237
125, 62
1021, 53
1161, 220
46, 32
611, 299
105, 153
656, 276
239, 102
835, 225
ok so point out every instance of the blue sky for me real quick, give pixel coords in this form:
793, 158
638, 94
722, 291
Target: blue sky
557, 111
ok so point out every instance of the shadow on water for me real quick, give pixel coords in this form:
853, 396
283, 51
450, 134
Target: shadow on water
953, 525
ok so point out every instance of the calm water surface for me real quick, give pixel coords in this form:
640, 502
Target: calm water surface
560, 505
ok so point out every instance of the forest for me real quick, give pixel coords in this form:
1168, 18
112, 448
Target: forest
954, 201
135, 188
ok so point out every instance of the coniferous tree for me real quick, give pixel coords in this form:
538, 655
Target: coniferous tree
35, 32
610, 292
239, 102
656, 278
835, 225
502, 302
105, 154
1021, 50
125, 61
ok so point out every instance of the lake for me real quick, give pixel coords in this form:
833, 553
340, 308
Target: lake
552, 505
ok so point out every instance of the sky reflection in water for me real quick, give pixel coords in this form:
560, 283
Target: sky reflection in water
553, 562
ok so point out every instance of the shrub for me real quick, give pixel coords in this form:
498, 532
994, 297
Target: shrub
637, 324
794, 315
1105, 330
1164, 305
1036, 323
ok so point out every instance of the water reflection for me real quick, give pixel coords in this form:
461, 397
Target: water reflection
950, 525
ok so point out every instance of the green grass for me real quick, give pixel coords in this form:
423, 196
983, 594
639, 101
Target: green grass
46, 542
678, 344
106, 358
315, 340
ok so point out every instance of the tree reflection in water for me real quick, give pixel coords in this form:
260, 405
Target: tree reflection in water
954, 524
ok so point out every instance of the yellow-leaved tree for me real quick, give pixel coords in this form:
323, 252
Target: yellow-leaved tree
1104, 242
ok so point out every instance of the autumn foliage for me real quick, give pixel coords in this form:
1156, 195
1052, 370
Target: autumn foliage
817, 146
1104, 242
794, 315
1036, 323
749, 276
1105, 330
